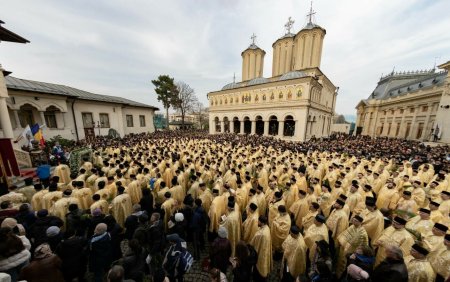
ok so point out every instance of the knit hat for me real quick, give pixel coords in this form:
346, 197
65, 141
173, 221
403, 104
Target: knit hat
52, 231
179, 217
222, 232
42, 213
9, 222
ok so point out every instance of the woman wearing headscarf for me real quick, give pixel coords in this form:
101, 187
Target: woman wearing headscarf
13, 254
46, 266
100, 252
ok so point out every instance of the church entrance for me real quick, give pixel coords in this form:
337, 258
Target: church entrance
289, 126
237, 125
226, 125
259, 125
247, 125
273, 125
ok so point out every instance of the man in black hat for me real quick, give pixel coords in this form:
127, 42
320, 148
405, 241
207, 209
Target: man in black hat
337, 222
407, 205
316, 232
419, 268
395, 235
373, 219
294, 254
445, 203
350, 239
274, 204
422, 223
250, 225
299, 209
279, 230
439, 259
435, 215
232, 222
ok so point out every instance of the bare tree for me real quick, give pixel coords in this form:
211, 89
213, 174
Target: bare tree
185, 101
201, 112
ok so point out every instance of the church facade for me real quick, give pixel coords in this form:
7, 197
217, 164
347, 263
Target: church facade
296, 103
409, 105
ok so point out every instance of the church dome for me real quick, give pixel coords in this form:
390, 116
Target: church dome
258, 80
231, 85
292, 75
311, 25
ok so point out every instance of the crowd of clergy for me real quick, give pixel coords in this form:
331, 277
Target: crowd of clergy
337, 209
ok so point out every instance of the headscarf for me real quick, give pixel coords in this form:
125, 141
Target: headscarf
43, 251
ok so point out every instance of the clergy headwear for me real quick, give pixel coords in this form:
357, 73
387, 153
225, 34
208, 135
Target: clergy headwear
215, 191
67, 192
278, 194
445, 193
295, 230
343, 197
421, 250
367, 186
447, 237
425, 210
320, 218
441, 227
253, 206
302, 192
281, 209
262, 219
436, 204
230, 204
340, 202
407, 193
370, 201
399, 220
358, 218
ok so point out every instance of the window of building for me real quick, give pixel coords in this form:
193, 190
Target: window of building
104, 120
130, 121
50, 119
392, 112
142, 120
402, 111
424, 108
88, 121
411, 110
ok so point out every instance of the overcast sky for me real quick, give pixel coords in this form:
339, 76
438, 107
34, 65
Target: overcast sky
117, 47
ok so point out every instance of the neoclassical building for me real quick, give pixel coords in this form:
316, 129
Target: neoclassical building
296, 103
66, 111
411, 105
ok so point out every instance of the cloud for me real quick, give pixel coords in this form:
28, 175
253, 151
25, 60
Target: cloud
116, 47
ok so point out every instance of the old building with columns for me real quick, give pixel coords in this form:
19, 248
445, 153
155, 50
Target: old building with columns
412, 105
296, 103
69, 112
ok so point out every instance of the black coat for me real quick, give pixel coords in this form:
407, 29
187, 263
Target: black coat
134, 265
73, 253
100, 253
39, 228
146, 203
390, 271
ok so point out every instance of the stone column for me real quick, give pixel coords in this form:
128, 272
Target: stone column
231, 126
402, 125
281, 128
253, 127
222, 126
17, 119
241, 128
41, 114
412, 131
266, 128
60, 122
4, 117
426, 127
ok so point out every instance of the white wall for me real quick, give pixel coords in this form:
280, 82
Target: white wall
136, 112
341, 128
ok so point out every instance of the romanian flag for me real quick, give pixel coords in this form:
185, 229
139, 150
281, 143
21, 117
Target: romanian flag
36, 130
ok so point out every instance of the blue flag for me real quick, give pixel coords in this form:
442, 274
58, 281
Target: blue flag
35, 129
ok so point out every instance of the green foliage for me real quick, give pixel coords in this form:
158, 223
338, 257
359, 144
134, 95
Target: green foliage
165, 89
65, 143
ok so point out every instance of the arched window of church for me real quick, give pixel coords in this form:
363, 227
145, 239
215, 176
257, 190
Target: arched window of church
289, 95
220, 101
231, 100
256, 98
299, 93
264, 97
226, 101
272, 96
280, 96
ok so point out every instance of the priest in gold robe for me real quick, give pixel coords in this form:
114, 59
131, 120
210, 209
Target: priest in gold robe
373, 220
316, 232
439, 259
294, 255
395, 235
273, 206
419, 268
250, 225
232, 222
262, 243
349, 240
337, 222
279, 230
299, 209
421, 223
121, 206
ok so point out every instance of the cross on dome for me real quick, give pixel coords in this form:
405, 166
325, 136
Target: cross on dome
289, 25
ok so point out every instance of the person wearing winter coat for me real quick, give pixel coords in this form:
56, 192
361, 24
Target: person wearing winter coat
100, 252
73, 253
46, 266
13, 254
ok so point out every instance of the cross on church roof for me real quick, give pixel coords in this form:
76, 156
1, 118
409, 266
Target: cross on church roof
289, 25
311, 13
234, 77
253, 37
